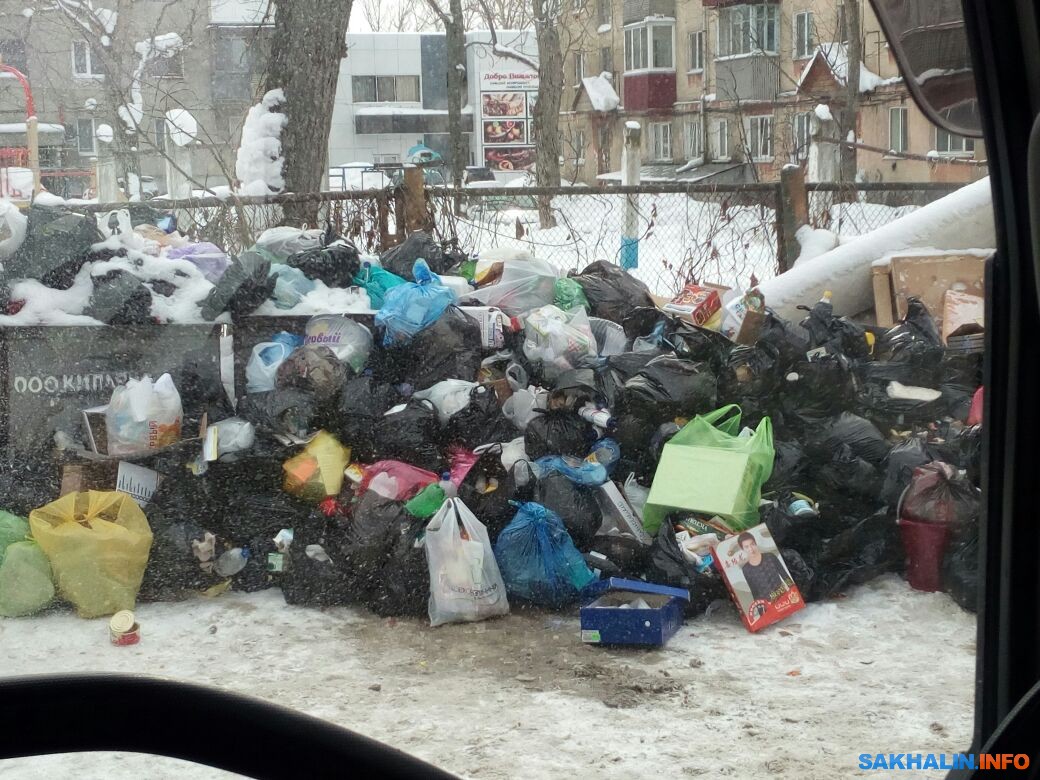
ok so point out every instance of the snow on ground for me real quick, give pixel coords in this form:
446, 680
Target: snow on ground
523, 697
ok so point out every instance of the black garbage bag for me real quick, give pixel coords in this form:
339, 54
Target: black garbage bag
865, 549
450, 348
404, 589
802, 573
614, 371
653, 330
558, 432
892, 407
910, 352
860, 435
336, 265
362, 402
367, 542
787, 342
961, 569
800, 532
418, 245
959, 446
789, 465
619, 556
612, 292
814, 390
315, 369
847, 480
668, 566
173, 572
961, 376
575, 504
838, 335
120, 298
244, 286
412, 435
902, 459
315, 573
281, 411
57, 244
488, 488
749, 378
668, 387
481, 422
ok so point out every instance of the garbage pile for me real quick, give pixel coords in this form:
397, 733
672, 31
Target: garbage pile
498, 435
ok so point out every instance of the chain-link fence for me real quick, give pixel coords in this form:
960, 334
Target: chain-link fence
727, 234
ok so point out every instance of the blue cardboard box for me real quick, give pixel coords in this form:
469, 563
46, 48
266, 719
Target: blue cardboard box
606, 619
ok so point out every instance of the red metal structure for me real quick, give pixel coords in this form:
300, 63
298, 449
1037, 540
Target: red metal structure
31, 133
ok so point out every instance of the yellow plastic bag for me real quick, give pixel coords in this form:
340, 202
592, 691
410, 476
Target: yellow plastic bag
317, 472
98, 544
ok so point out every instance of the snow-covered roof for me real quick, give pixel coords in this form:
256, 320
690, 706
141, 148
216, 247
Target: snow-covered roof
601, 92
836, 57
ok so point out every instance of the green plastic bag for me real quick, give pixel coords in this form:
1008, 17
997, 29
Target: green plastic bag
708, 468
12, 529
26, 583
376, 282
567, 294
427, 502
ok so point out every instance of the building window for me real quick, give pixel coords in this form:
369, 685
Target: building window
603, 12
170, 66
162, 132
697, 50
804, 38
948, 143
85, 61
898, 133
603, 164
579, 145
606, 60
232, 69
12, 52
85, 131
694, 139
661, 141
385, 89
720, 139
760, 138
579, 67
658, 54
802, 135
744, 29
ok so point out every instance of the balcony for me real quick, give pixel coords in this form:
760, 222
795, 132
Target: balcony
633, 11
649, 90
750, 77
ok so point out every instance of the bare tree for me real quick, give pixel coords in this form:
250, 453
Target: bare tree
401, 16
454, 23
309, 42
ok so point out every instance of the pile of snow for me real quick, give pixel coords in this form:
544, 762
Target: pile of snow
823, 112
601, 92
16, 183
814, 242
183, 127
259, 164
12, 228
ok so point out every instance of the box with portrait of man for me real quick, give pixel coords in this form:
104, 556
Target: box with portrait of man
757, 577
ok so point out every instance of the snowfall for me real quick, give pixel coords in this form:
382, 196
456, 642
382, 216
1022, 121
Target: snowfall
884, 669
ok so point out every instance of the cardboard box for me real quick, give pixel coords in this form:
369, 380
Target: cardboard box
618, 514
695, 304
97, 438
929, 275
764, 591
884, 298
960, 309
605, 620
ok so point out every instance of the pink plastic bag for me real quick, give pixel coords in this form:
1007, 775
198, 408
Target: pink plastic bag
462, 461
410, 480
975, 412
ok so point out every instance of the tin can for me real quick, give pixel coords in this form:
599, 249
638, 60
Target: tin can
801, 508
123, 628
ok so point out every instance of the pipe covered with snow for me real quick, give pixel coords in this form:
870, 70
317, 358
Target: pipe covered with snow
961, 220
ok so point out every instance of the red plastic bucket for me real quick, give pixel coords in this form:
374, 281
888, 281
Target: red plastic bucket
925, 545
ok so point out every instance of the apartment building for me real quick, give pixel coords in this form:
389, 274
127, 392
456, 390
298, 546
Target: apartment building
728, 91
82, 75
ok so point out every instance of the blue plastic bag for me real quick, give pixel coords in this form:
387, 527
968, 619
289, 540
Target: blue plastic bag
290, 285
377, 282
580, 472
408, 308
538, 560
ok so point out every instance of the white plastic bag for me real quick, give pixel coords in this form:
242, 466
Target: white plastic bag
557, 339
349, 341
448, 397
263, 365
284, 241
465, 583
13, 224
524, 285
143, 415
520, 408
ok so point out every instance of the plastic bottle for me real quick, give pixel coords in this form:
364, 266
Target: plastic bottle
450, 491
232, 561
598, 417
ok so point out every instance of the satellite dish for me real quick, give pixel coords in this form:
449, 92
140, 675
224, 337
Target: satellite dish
182, 126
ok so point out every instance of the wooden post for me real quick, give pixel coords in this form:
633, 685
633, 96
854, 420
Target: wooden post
32, 134
792, 213
416, 210
383, 221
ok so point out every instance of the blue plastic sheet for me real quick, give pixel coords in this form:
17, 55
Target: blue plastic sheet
411, 307
538, 559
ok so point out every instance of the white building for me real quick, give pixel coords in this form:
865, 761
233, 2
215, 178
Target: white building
392, 96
